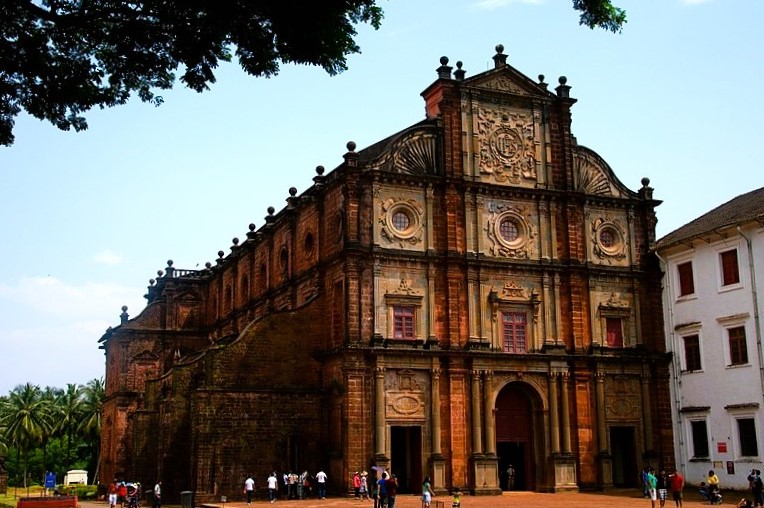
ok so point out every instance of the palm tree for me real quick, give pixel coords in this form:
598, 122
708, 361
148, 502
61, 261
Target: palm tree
90, 423
25, 416
68, 412
49, 394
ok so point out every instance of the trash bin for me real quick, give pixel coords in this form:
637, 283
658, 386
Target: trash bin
187, 499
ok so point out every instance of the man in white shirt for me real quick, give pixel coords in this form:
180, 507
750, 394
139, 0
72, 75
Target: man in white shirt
158, 495
272, 485
321, 479
249, 489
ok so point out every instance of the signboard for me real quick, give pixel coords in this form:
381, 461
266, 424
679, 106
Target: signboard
50, 480
721, 447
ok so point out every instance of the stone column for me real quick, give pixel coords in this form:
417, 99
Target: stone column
477, 441
553, 413
565, 413
600, 402
435, 410
646, 413
380, 411
490, 424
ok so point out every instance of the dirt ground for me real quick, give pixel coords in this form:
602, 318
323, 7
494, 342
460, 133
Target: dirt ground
617, 498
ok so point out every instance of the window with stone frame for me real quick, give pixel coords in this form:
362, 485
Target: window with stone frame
686, 281
691, 352
699, 439
614, 320
737, 345
746, 430
514, 326
729, 267
404, 322
614, 332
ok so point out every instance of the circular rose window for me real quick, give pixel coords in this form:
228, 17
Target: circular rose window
510, 230
401, 221
609, 240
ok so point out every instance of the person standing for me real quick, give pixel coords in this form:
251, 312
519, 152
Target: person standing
112, 492
249, 489
364, 486
392, 490
652, 484
158, 495
321, 480
662, 483
757, 491
677, 486
357, 485
713, 484
510, 477
382, 491
272, 486
427, 493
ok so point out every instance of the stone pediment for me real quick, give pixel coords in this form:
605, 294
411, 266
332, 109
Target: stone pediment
145, 356
506, 79
592, 175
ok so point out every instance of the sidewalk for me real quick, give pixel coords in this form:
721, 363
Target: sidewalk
626, 498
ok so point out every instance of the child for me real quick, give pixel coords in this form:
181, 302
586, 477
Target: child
457, 503
427, 493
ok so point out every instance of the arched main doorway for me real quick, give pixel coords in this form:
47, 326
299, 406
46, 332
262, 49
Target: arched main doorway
515, 438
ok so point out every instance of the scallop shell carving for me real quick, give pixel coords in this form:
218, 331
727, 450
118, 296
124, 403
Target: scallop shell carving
415, 155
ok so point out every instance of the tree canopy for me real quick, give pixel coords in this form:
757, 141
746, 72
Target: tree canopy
61, 58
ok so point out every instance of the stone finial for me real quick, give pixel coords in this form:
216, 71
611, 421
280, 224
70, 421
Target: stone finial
220, 253
251, 233
319, 178
444, 71
124, 316
270, 217
646, 192
160, 273
351, 157
541, 82
459, 72
292, 199
152, 282
320, 170
235, 241
563, 91
208, 265
499, 59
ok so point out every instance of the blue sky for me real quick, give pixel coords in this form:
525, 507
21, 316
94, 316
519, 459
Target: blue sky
88, 218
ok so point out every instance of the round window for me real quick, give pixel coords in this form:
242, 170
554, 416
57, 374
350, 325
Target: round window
401, 221
508, 230
607, 239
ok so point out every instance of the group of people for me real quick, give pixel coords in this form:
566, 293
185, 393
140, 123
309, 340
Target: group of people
294, 486
130, 494
756, 488
656, 487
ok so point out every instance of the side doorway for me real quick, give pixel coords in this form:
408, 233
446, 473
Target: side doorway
406, 457
624, 455
515, 437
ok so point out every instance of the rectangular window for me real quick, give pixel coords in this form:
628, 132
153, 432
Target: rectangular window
614, 332
686, 283
692, 352
514, 330
403, 322
699, 439
730, 273
738, 349
746, 429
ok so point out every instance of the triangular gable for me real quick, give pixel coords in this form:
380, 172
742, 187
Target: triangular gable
507, 79
145, 356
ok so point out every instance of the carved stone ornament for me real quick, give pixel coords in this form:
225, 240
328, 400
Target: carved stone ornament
513, 294
402, 221
614, 303
590, 177
504, 84
405, 289
509, 233
507, 146
405, 396
608, 239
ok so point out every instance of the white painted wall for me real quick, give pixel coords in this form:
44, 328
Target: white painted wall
728, 392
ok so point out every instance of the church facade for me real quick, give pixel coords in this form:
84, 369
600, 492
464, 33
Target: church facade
473, 292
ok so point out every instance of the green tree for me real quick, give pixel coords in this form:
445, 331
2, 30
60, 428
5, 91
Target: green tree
90, 423
61, 58
24, 415
68, 414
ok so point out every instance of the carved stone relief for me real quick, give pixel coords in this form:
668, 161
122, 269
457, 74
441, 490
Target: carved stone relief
590, 177
609, 239
405, 394
507, 146
509, 233
622, 398
402, 221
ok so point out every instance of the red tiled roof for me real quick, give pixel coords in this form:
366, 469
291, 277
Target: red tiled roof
739, 210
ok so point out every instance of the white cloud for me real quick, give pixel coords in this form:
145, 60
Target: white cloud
489, 5
108, 257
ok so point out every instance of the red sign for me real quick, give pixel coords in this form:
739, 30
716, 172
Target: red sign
721, 447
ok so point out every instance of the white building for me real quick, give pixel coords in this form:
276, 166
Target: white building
713, 298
